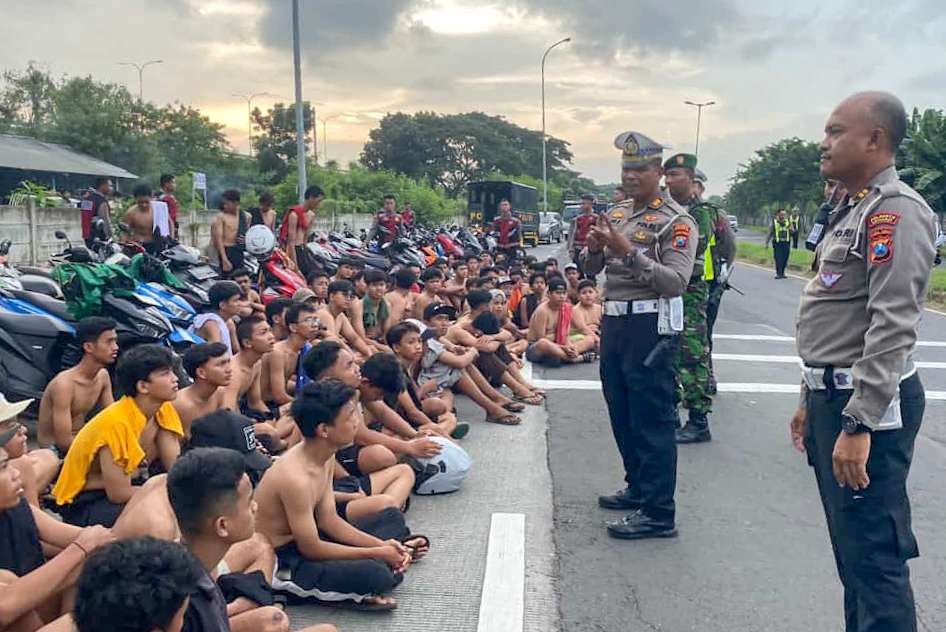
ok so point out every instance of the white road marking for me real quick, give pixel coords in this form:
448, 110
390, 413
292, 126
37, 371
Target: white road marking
766, 338
503, 599
790, 359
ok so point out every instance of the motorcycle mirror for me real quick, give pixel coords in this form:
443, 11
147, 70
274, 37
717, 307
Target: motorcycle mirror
122, 226
60, 234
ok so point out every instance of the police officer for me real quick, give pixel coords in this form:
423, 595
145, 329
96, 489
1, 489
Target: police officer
646, 246
794, 225
582, 223
862, 400
692, 359
780, 237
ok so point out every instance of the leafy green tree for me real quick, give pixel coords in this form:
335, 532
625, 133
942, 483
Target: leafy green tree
276, 143
922, 156
27, 101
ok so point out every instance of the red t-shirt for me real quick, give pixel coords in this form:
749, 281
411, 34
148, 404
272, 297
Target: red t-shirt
507, 229
407, 217
302, 223
171, 201
390, 221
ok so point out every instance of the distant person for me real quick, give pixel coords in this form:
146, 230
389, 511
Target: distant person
168, 186
578, 233
265, 214
94, 204
226, 303
296, 226
140, 219
780, 238
387, 223
618, 195
506, 228
794, 225
558, 334
407, 216
228, 231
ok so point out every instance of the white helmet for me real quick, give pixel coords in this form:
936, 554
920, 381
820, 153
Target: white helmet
260, 241
442, 473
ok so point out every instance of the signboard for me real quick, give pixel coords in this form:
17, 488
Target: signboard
200, 181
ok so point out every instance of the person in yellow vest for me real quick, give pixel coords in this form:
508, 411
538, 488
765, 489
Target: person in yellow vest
794, 223
780, 236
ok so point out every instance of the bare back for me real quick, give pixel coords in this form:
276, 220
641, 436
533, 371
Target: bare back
69, 394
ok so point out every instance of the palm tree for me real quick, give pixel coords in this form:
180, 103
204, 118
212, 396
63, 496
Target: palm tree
922, 157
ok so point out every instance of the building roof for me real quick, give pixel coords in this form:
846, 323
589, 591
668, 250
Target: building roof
29, 154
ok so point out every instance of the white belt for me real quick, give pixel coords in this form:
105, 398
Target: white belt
843, 377
623, 308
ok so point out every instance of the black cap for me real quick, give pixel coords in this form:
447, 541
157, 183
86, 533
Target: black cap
229, 429
557, 283
436, 309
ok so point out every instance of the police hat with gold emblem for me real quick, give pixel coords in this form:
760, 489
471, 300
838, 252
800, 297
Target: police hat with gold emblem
637, 150
681, 161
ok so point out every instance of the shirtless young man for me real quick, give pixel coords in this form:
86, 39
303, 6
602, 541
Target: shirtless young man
297, 507
228, 231
74, 393
297, 225
140, 218
242, 278
433, 285
400, 299
226, 301
543, 348
455, 288
340, 294
141, 428
589, 305
373, 317
276, 317
208, 365
318, 281
279, 367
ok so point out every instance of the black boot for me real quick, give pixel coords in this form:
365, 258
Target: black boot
696, 429
711, 386
620, 499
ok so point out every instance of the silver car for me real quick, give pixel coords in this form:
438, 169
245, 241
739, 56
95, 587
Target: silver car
550, 227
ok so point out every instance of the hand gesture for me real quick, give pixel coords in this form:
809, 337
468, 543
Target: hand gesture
605, 234
423, 448
92, 538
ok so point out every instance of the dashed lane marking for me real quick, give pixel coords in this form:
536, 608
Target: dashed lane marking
503, 600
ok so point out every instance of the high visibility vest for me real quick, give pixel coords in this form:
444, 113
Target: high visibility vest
709, 272
781, 230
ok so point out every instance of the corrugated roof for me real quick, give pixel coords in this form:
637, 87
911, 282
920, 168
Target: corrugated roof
29, 154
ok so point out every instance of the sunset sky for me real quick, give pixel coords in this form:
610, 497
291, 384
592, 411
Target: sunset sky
775, 69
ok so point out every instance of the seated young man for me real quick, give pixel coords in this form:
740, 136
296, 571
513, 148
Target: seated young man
140, 585
455, 288
318, 281
74, 393
589, 305
499, 306
572, 279
275, 316
209, 366
433, 285
538, 284
226, 301
372, 450
34, 591
140, 429
297, 510
212, 500
244, 393
241, 276
400, 299
442, 366
340, 295
373, 317
36, 468
277, 381
558, 333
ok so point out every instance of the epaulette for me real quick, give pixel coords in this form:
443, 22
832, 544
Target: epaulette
657, 202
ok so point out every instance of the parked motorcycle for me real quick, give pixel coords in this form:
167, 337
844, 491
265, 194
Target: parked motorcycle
277, 279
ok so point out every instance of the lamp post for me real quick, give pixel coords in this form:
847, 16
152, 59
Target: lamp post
249, 116
699, 115
140, 68
300, 129
325, 135
545, 180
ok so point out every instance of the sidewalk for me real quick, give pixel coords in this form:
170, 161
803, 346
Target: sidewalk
510, 475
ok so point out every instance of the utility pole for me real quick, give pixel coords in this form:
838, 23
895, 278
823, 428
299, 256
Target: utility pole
545, 179
699, 115
300, 129
249, 116
141, 69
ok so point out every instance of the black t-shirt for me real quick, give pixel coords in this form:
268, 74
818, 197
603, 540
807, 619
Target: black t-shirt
20, 549
207, 610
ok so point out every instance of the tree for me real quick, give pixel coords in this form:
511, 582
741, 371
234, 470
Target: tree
27, 101
782, 175
922, 157
276, 144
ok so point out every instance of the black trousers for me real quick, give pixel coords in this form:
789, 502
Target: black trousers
641, 404
781, 250
795, 239
870, 529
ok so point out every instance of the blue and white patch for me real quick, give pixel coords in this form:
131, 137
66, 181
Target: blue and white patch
829, 279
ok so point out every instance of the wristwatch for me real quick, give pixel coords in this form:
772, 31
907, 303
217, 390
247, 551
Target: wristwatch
850, 425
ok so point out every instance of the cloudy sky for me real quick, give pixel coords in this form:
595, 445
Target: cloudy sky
774, 68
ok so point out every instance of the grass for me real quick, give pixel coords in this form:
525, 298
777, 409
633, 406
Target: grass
799, 261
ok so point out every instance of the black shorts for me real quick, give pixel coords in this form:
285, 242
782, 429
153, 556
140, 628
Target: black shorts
90, 508
348, 457
331, 580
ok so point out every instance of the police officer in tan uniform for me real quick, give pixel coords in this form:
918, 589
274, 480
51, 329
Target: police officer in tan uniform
646, 246
862, 400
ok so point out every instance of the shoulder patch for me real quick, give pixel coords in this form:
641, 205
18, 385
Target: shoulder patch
880, 229
883, 218
650, 218
681, 236
657, 203
616, 214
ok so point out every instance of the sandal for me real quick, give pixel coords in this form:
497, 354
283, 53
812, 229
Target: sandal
533, 400
505, 420
514, 407
415, 549
348, 604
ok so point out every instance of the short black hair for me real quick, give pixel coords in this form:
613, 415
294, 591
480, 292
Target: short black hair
487, 322
239, 272
141, 190
557, 283
375, 276
277, 306
319, 403
244, 329
396, 333
488, 270
458, 263
165, 178
296, 310
405, 278
431, 273
316, 273
471, 258
198, 355
222, 291
587, 197
201, 483
504, 200
138, 363
478, 298
314, 191
587, 283
99, 181
389, 196
480, 282
91, 327
537, 275
384, 371
551, 261
340, 286
135, 585
230, 195
266, 197
320, 357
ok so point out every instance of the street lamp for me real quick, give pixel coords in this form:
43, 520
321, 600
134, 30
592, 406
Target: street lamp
325, 134
545, 180
140, 68
699, 114
249, 115
300, 129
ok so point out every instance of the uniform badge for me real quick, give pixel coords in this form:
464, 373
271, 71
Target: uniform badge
640, 236
631, 147
880, 229
883, 218
650, 218
860, 195
681, 236
616, 214
681, 160
828, 279
657, 203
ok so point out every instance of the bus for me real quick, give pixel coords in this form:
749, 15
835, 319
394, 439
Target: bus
483, 205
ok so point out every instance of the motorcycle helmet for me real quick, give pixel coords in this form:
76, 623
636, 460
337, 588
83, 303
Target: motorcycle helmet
260, 241
443, 473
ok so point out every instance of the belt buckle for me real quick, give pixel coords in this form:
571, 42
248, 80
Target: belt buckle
615, 308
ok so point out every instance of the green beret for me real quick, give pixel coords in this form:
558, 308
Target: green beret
678, 161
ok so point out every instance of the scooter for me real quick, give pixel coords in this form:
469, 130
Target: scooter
276, 278
22, 278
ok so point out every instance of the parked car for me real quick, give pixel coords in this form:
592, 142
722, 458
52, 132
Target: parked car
734, 223
550, 227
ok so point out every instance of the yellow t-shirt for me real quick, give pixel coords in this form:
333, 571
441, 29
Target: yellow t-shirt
118, 427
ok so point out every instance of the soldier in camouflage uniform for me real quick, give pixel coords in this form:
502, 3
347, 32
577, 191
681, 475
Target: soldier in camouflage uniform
693, 355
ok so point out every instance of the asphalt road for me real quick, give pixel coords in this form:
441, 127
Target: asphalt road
753, 552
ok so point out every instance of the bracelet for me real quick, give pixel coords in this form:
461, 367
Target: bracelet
85, 553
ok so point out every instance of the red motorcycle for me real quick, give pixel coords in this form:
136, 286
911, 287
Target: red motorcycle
277, 279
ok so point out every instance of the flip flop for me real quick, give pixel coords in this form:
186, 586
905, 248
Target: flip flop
460, 431
505, 420
349, 604
514, 407
414, 548
533, 400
